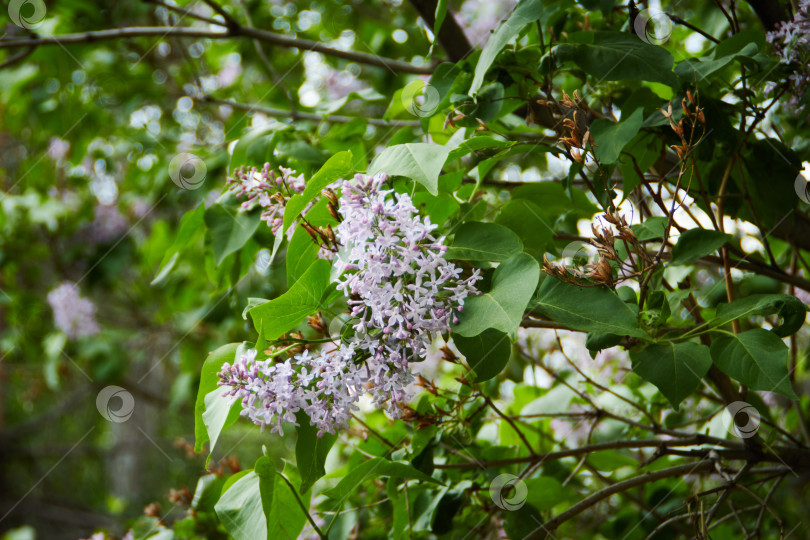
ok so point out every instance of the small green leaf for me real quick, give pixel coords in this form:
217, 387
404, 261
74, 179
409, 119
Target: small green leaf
611, 137
421, 162
610, 460
477, 241
311, 451
229, 229
756, 358
650, 229
676, 369
696, 243
589, 309
190, 225
546, 492
251, 147
502, 307
220, 412
374, 468
208, 383
792, 311
305, 297
336, 167
486, 353
526, 12
596, 342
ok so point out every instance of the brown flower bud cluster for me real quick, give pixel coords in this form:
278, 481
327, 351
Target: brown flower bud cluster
601, 271
692, 119
577, 134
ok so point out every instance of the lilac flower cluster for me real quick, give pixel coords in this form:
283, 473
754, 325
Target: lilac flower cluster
792, 42
401, 291
266, 189
326, 386
72, 314
400, 287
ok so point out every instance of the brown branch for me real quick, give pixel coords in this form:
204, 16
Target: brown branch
11, 60
770, 12
297, 115
233, 32
547, 528
451, 37
733, 448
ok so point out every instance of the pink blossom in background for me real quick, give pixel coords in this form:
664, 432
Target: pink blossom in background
479, 18
72, 314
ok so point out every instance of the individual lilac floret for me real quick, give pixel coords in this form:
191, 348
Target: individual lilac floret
266, 189
72, 314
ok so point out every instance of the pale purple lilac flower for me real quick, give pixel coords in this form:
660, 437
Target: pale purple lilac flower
479, 18
108, 224
72, 314
792, 42
266, 189
402, 292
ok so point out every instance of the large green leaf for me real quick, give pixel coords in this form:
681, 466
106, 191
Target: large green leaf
374, 468
589, 309
486, 353
757, 358
220, 412
261, 505
421, 162
611, 137
253, 146
230, 229
525, 219
336, 167
311, 451
282, 512
676, 369
617, 56
240, 509
305, 297
502, 307
553, 201
526, 12
792, 311
477, 241
208, 383
696, 243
